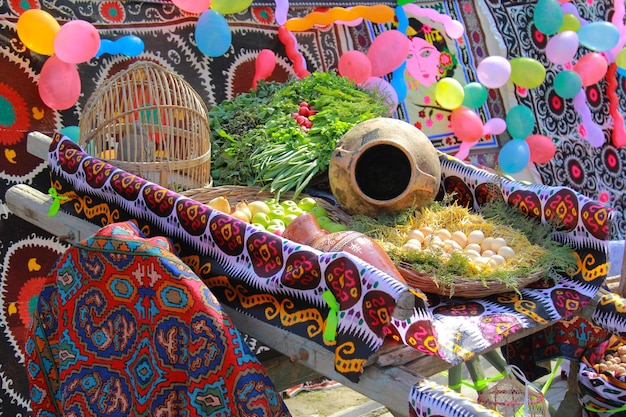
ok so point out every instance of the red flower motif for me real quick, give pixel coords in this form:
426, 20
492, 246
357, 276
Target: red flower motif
112, 11
263, 14
14, 116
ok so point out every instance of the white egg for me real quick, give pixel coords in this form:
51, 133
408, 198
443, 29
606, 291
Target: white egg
474, 246
488, 253
416, 234
498, 243
472, 254
481, 260
412, 246
450, 246
492, 263
499, 259
477, 236
426, 230
432, 240
506, 252
486, 243
443, 234
460, 238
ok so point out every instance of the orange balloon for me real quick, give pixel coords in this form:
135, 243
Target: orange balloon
37, 30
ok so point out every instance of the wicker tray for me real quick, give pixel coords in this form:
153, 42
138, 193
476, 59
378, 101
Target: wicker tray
237, 193
462, 287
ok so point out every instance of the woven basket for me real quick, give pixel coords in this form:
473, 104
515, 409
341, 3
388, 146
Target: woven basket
150, 122
462, 287
237, 193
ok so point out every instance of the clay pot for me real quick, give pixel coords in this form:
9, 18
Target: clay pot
304, 229
384, 165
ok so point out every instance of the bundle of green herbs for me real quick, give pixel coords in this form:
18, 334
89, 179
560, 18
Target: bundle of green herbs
257, 138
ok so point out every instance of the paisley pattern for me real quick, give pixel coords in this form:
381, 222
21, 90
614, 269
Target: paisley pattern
122, 327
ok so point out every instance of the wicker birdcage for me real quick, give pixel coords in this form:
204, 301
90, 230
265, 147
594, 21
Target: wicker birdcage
150, 122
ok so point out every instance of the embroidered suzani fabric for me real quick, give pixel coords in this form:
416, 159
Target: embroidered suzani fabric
256, 272
123, 327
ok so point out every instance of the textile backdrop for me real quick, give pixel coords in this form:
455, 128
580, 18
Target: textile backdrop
492, 27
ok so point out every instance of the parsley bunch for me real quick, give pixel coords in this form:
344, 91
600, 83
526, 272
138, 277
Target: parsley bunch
256, 141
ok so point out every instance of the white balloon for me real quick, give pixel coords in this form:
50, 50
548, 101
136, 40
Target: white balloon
494, 71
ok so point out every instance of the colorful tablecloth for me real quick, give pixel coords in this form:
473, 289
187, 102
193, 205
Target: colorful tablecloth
122, 327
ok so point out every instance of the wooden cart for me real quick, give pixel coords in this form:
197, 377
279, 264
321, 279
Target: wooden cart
388, 376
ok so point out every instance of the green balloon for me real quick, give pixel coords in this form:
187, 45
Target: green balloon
520, 122
475, 95
548, 16
567, 84
527, 72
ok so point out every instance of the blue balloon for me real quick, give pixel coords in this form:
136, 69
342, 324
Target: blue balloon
598, 36
72, 132
130, 45
106, 47
514, 156
548, 16
520, 121
213, 35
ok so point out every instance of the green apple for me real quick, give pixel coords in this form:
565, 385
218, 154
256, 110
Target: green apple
336, 227
289, 218
277, 222
318, 211
293, 210
259, 226
324, 222
288, 203
276, 229
261, 218
277, 213
307, 203
258, 207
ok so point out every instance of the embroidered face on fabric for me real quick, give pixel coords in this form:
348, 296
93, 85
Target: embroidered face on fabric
423, 61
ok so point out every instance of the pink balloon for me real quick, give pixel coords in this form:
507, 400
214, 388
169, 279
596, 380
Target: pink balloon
263, 66
59, 84
192, 6
385, 89
355, 66
387, 52
542, 149
591, 68
466, 124
464, 150
493, 71
562, 47
77, 41
494, 126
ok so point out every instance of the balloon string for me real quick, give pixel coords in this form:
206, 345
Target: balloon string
332, 322
593, 132
291, 47
619, 131
56, 202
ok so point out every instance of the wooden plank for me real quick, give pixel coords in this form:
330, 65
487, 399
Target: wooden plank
33, 205
38, 144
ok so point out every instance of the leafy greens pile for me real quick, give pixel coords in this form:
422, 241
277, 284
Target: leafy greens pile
256, 141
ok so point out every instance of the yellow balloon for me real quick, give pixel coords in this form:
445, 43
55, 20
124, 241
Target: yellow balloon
449, 93
570, 22
620, 59
37, 30
527, 72
230, 6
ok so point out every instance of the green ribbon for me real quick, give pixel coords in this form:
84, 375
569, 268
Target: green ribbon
56, 203
332, 321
